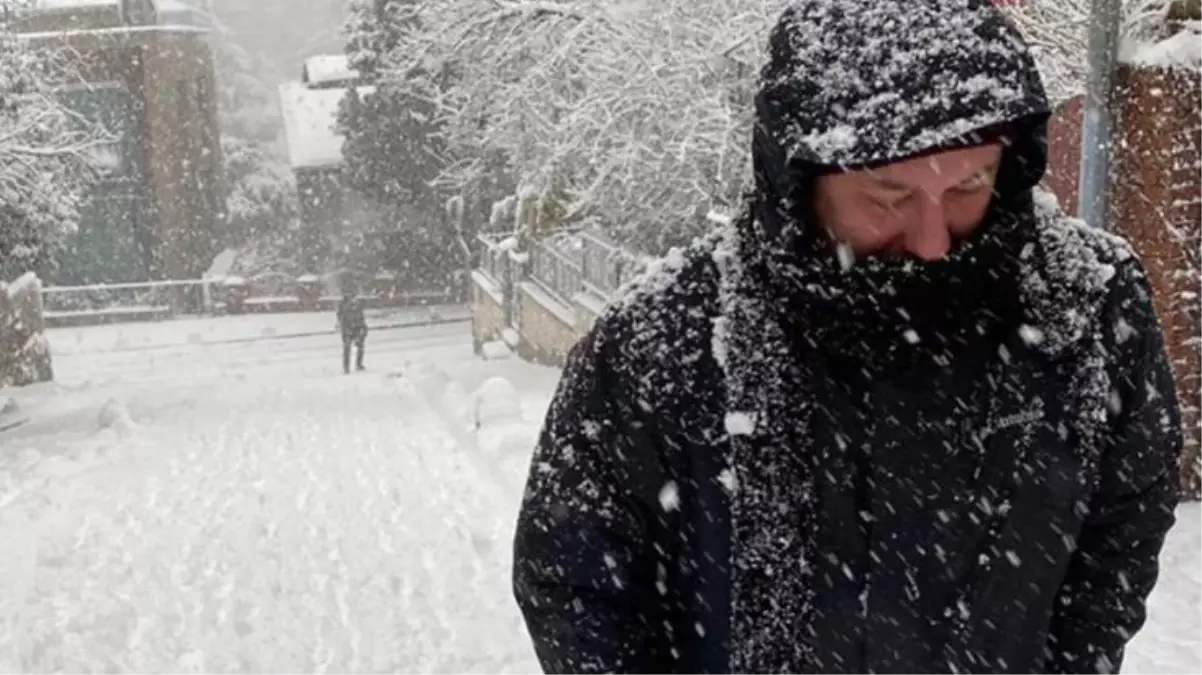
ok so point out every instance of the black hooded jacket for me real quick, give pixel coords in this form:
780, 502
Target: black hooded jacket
760, 461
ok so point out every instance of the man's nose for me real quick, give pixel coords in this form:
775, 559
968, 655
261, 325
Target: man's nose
928, 237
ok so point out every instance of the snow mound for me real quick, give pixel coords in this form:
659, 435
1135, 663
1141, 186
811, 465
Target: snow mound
497, 401
511, 447
114, 414
496, 350
10, 413
457, 402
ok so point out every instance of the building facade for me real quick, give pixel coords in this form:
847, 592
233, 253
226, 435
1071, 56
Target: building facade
329, 210
157, 210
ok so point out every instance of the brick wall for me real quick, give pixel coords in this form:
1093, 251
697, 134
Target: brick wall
1064, 153
1156, 206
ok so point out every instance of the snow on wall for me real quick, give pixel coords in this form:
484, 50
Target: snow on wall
26, 283
1183, 50
310, 116
24, 357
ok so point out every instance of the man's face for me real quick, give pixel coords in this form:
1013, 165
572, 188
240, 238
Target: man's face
915, 208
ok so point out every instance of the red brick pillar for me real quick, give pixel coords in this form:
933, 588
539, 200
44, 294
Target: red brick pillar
1156, 205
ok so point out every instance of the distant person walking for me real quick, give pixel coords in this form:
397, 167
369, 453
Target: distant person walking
353, 325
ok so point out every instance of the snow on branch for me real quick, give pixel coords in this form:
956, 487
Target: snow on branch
632, 114
48, 153
1058, 31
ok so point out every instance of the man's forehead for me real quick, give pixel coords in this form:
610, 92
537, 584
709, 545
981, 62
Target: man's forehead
950, 162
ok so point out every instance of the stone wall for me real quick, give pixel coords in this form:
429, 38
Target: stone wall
488, 311
24, 354
1156, 205
549, 328
546, 327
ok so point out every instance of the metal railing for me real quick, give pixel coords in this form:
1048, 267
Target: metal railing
605, 266
556, 271
564, 264
492, 256
149, 297
571, 262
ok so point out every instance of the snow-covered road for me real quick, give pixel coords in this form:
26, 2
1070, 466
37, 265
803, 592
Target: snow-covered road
216, 496
259, 511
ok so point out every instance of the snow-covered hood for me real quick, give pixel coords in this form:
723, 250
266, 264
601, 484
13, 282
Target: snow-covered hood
850, 83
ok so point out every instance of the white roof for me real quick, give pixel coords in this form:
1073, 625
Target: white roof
326, 68
170, 12
309, 119
73, 4
183, 13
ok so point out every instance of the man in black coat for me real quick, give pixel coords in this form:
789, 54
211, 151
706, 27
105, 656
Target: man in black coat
353, 325
903, 416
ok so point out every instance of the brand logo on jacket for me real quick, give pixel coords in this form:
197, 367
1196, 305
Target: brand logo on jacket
1024, 419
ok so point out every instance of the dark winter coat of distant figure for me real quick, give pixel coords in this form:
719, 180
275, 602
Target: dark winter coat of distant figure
902, 416
353, 325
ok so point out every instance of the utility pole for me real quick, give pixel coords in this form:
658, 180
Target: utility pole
1097, 131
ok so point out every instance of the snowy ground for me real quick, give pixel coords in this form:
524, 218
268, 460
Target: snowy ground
248, 507
216, 496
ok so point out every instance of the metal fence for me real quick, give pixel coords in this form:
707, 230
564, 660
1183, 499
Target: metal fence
572, 262
150, 297
564, 264
556, 270
605, 266
491, 256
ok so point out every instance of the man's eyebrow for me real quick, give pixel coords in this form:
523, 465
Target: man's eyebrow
888, 183
988, 168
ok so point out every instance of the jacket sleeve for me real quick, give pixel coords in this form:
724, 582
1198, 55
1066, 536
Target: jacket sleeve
581, 549
1101, 604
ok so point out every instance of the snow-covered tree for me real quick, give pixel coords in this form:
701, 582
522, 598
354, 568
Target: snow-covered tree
1058, 31
47, 154
371, 31
633, 115
394, 151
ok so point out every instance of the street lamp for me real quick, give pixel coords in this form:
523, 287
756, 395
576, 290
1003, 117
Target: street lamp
1097, 130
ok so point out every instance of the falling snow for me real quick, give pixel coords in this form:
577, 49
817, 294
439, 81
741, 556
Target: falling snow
211, 493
